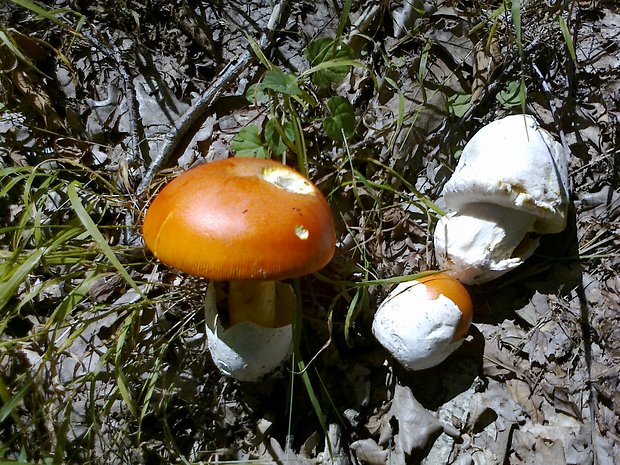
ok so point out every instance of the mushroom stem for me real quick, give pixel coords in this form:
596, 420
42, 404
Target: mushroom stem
253, 301
483, 241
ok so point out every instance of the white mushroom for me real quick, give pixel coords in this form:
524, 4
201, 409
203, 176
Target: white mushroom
510, 185
422, 322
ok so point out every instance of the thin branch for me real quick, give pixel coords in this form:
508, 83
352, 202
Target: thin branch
135, 155
198, 111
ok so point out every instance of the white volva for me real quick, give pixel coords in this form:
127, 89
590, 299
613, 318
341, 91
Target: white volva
247, 351
511, 183
416, 330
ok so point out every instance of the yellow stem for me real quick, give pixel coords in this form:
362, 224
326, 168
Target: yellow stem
253, 301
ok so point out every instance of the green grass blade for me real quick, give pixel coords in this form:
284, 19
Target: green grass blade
255, 46
9, 42
567, 39
149, 388
61, 434
42, 12
94, 232
344, 17
515, 9
422, 198
401, 110
298, 361
9, 403
10, 286
121, 383
423, 67
314, 400
335, 63
352, 311
74, 297
16, 462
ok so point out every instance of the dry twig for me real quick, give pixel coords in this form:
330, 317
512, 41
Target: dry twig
200, 108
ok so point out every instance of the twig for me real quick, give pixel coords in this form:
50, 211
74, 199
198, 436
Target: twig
127, 167
200, 108
554, 110
134, 155
586, 333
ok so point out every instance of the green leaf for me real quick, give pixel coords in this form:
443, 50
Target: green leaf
458, 104
254, 94
42, 12
11, 402
423, 67
8, 287
511, 96
323, 50
515, 9
275, 79
248, 143
275, 133
341, 122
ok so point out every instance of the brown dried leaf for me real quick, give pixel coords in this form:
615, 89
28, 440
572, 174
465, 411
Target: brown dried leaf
522, 394
369, 452
408, 423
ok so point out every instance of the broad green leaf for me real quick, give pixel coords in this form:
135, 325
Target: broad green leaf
275, 79
341, 122
458, 104
254, 94
275, 133
323, 50
511, 96
248, 143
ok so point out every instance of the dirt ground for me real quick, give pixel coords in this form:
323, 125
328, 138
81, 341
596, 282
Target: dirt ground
115, 97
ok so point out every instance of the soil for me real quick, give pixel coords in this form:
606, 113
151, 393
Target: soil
140, 91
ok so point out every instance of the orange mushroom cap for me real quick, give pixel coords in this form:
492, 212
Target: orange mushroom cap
440, 283
241, 219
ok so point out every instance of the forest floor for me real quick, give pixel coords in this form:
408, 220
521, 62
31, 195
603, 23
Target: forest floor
103, 357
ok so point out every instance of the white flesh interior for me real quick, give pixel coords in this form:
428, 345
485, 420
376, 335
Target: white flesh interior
482, 241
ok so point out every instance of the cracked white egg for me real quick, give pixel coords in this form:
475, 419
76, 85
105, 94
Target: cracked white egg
247, 351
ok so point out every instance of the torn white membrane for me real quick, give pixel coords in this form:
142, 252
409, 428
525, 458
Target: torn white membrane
247, 351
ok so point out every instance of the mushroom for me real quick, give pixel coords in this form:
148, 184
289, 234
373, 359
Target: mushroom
248, 222
510, 185
421, 322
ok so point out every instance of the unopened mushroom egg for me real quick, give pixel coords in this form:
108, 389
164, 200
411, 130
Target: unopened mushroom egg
422, 322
